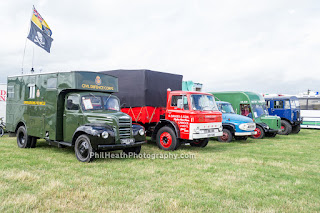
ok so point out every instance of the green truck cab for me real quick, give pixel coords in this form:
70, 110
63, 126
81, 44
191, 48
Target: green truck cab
71, 109
252, 105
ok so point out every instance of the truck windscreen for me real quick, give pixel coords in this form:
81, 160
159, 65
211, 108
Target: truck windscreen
100, 103
203, 103
226, 108
259, 110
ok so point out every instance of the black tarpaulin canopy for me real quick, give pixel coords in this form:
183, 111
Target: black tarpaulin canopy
138, 88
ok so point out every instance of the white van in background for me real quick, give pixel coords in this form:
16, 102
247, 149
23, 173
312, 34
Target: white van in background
3, 100
310, 111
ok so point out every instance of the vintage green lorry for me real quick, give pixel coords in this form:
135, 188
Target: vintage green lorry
70, 109
252, 105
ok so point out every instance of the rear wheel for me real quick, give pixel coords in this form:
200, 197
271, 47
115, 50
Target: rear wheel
167, 139
33, 142
132, 150
83, 149
1, 131
23, 140
200, 143
296, 129
226, 137
286, 128
260, 133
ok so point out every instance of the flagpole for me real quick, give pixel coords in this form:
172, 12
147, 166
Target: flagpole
32, 70
25, 44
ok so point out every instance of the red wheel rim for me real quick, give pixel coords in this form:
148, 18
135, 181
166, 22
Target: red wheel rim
225, 136
165, 140
282, 128
258, 134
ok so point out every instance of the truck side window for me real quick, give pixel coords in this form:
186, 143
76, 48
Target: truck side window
278, 104
32, 91
177, 101
303, 103
268, 104
245, 109
10, 92
287, 104
73, 102
185, 103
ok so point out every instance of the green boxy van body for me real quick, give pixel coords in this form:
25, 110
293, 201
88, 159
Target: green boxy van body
256, 103
64, 105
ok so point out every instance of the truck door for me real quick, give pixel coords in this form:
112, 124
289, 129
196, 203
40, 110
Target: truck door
71, 117
282, 108
179, 112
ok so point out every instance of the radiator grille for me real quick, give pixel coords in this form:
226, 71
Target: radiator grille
124, 128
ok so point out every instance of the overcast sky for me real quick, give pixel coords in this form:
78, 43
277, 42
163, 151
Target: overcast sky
263, 46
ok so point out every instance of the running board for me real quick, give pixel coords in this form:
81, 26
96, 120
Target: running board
59, 144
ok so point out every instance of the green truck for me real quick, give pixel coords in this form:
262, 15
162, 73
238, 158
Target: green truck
252, 105
71, 109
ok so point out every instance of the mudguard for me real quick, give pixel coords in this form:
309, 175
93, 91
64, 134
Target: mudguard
230, 127
164, 122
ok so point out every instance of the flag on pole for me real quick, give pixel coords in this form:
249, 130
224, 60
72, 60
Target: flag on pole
40, 32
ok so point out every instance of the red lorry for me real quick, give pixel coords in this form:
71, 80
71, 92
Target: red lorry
169, 117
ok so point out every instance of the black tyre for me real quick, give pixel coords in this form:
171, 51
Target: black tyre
296, 129
23, 140
241, 138
83, 149
226, 137
1, 131
132, 150
286, 128
167, 139
271, 135
200, 143
33, 142
260, 133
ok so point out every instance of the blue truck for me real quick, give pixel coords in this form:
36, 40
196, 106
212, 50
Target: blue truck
234, 125
288, 109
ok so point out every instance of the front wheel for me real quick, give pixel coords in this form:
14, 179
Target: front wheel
260, 133
226, 137
167, 139
296, 129
132, 150
286, 128
1, 131
83, 149
200, 143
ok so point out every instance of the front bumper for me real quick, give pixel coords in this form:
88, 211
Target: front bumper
207, 135
119, 146
245, 133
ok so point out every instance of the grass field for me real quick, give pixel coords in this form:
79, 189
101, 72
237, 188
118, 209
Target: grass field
281, 174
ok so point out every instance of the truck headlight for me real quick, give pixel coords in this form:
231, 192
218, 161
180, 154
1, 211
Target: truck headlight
247, 126
243, 126
105, 134
141, 132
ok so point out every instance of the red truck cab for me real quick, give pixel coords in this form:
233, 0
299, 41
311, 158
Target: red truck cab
195, 113
189, 117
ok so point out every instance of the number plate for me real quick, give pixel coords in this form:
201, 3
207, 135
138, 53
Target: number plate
211, 134
127, 141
